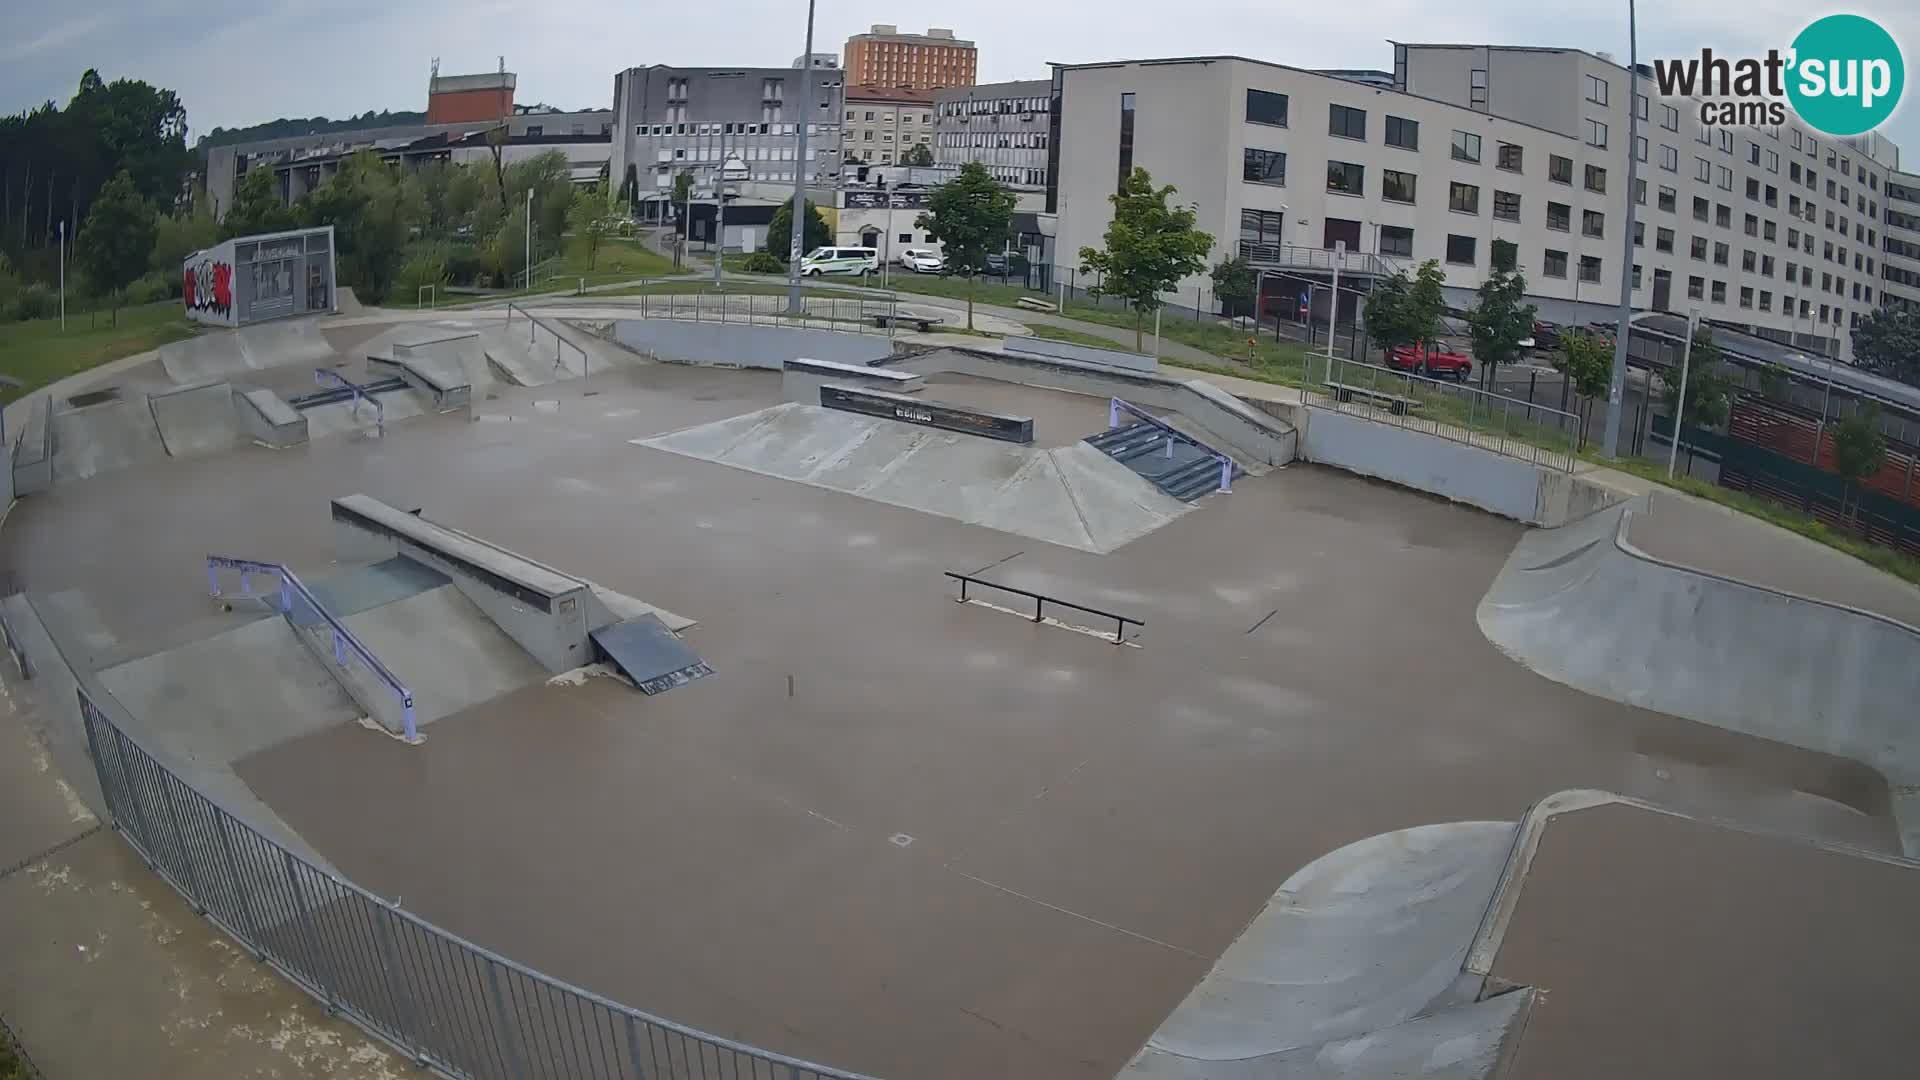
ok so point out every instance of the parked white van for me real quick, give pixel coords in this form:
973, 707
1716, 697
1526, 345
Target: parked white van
854, 261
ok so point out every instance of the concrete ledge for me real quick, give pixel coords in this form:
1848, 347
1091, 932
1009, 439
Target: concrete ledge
267, 419
802, 377
738, 345
427, 368
1025, 345
33, 451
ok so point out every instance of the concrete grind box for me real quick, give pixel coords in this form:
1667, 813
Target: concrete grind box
251, 279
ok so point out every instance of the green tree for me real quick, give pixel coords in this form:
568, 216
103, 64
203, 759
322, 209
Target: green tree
179, 235
1387, 315
117, 239
1498, 322
1234, 283
1426, 301
257, 207
917, 154
1709, 385
813, 234
969, 217
1149, 247
1586, 362
373, 214
586, 221
1775, 381
1859, 451
1887, 342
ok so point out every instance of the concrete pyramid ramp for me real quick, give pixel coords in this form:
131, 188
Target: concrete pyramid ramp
223, 354
1584, 607
105, 437
197, 420
359, 417
509, 360
1359, 942
1073, 496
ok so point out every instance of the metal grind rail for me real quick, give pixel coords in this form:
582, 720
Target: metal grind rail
1115, 407
344, 643
1040, 602
360, 394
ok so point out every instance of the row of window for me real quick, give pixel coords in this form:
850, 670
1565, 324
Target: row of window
887, 118
656, 130
1014, 140
1002, 106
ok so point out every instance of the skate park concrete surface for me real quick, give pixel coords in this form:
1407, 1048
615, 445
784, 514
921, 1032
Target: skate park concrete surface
902, 835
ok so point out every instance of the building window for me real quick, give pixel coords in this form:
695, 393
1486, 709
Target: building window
1346, 122
1477, 88
1749, 261
1126, 140
1753, 153
1596, 134
1772, 197
1766, 300
1590, 269
1773, 161
1463, 198
1751, 225
1723, 215
1559, 217
1403, 133
1460, 249
1596, 90
1346, 177
1397, 186
1696, 288
1503, 254
1636, 275
1721, 253
1725, 140
1639, 191
1506, 205
1697, 248
1701, 208
1596, 179
1639, 234
1264, 167
1723, 178
1555, 265
1668, 199
1396, 240
1640, 148
1593, 223
1264, 107
1719, 292
1670, 118
1261, 226
1510, 157
1753, 189
1669, 158
1766, 266
1466, 146
1703, 170
1663, 240
1559, 169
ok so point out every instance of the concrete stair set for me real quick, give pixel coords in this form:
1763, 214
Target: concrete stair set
1178, 465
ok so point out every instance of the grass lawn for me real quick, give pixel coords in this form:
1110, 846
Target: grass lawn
37, 353
617, 260
1073, 337
736, 288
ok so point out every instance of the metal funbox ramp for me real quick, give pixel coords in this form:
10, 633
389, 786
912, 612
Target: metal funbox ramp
648, 653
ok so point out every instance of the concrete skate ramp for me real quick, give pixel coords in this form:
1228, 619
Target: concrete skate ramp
1074, 496
1365, 938
353, 417
102, 438
1584, 607
222, 354
197, 420
509, 360
445, 649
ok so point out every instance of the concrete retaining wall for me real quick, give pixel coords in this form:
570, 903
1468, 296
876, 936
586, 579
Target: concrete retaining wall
1086, 354
745, 346
267, 419
33, 453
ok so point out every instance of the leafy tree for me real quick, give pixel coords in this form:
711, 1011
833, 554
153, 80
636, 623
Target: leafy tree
257, 207
180, 235
1887, 342
1234, 283
1775, 381
917, 154
683, 190
586, 220
1386, 316
548, 177
969, 217
373, 215
1149, 247
1505, 255
762, 262
1709, 385
117, 239
1859, 451
813, 234
1426, 301
1586, 361
506, 250
1499, 321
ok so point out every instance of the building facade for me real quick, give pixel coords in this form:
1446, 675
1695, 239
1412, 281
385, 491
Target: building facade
883, 56
881, 125
1004, 126
457, 99
1900, 246
673, 119
1520, 159
250, 279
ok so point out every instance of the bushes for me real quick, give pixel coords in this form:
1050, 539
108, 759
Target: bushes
763, 262
154, 286
423, 268
34, 301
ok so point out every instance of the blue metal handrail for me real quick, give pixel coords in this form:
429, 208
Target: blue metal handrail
1115, 407
320, 377
343, 639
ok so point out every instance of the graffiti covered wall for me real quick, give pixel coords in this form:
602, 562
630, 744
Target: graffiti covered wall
250, 279
207, 286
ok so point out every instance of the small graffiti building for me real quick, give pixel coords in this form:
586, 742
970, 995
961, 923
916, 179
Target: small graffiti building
251, 279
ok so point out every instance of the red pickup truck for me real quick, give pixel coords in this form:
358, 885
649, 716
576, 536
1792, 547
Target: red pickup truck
1430, 359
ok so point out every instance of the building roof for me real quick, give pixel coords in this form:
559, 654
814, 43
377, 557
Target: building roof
933, 36
1013, 88
900, 95
453, 84
1740, 347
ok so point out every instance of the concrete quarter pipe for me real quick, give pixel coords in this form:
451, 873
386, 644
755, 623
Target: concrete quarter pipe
1583, 606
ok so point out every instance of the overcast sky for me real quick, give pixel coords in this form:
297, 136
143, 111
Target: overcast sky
237, 62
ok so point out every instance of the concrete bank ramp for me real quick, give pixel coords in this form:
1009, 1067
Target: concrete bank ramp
445, 649
197, 420
105, 437
353, 417
1351, 963
1583, 606
1074, 496
223, 354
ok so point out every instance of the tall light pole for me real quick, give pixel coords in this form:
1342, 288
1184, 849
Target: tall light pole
1617, 386
529, 285
63, 277
1680, 409
794, 304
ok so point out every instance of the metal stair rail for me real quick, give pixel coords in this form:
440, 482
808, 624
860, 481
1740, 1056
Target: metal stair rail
344, 643
1115, 407
360, 394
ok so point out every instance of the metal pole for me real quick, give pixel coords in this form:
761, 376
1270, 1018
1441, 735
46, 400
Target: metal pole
63, 277
720, 218
886, 248
1333, 306
1156, 333
1680, 408
1616, 390
529, 283
807, 76
1826, 400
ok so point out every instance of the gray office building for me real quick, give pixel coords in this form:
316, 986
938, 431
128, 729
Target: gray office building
669, 119
1001, 125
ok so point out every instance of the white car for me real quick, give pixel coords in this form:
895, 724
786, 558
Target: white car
921, 260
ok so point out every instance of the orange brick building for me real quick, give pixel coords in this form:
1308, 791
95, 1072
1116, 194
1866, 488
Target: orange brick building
463, 99
886, 57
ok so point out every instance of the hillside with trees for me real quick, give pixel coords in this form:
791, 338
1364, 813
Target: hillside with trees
288, 127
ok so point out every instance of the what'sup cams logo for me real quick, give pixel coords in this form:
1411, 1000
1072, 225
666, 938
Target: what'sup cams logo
1843, 75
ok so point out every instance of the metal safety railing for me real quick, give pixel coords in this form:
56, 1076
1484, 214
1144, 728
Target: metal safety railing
360, 394
1040, 602
1115, 407
448, 1004
851, 314
1505, 425
345, 645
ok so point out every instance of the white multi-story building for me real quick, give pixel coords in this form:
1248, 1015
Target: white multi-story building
1486, 153
882, 125
1900, 246
1005, 126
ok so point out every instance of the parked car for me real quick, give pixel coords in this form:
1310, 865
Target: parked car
921, 260
1431, 359
1002, 265
1546, 336
853, 261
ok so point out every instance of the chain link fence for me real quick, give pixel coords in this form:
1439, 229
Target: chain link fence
1505, 425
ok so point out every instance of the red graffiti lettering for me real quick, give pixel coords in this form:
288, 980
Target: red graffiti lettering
209, 287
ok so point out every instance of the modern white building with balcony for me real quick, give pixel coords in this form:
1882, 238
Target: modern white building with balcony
1900, 244
1485, 153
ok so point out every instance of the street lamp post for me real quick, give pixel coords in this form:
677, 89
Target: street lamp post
1680, 409
807, 77
529, 284
1616, 390
63, 277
